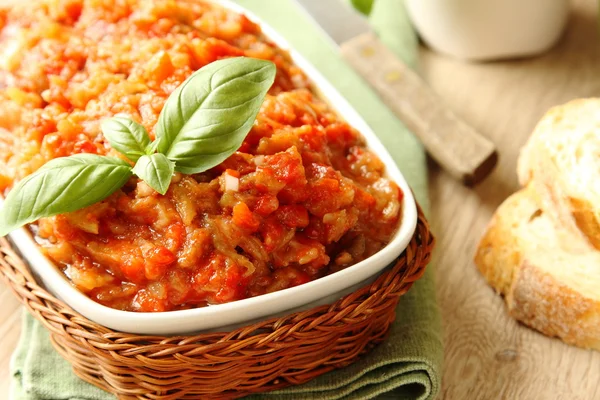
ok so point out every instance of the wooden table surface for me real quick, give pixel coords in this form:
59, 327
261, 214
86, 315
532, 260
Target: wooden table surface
488, 355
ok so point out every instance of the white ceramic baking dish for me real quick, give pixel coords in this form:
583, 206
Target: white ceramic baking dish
231, 315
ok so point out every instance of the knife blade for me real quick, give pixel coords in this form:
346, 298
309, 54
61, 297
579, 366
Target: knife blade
451, 142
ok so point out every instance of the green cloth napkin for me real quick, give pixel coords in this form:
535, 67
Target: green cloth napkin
408, 364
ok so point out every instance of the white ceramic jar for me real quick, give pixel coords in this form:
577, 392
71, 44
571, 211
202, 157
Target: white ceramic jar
489, 29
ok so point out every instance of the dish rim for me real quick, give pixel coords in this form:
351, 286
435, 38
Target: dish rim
261, 307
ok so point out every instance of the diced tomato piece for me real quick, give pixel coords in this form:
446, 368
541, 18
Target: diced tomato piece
324, 195
85, 147
340, 133
45, 125
5, 182
134, 270
244, 218
148, 303
158, 260
294, 216
160, 255
63, 230
313, 137
73, 10
220, 280
203, 274
272, 231
159, 68
178, 286
232, 172
363, 200
315, 229
300, 278
123, 202
245, 147
287, 166
288, 277
234, 285
266, 204
212, 49
175, 237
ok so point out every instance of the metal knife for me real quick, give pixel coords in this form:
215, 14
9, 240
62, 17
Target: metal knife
456, 146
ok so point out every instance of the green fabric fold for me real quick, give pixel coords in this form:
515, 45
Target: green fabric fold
408, 364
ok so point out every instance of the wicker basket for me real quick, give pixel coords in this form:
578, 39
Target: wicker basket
268, 355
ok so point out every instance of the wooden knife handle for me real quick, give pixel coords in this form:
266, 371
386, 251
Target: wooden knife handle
455, 146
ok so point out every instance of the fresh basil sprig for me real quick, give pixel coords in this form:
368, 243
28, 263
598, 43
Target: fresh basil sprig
156, 170
62, 185
203, 124
126, 136
204, 121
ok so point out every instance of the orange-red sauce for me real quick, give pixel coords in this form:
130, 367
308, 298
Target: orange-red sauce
303, 196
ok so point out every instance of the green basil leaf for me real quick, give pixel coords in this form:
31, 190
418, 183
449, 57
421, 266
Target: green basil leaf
62, 185
126, 136
364, 6
152, 147
156, 170
206, 119
137, 153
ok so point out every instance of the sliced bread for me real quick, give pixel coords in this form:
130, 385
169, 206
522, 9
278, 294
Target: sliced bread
561, 162
549, 277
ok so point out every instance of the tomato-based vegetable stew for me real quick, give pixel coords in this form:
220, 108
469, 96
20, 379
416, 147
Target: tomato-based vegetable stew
301, 198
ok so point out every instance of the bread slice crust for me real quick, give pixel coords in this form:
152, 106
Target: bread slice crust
559, 163
539, 268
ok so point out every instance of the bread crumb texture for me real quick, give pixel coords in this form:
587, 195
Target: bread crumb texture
541, 248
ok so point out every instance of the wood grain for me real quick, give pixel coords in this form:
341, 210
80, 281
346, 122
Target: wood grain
488, 355
456, 146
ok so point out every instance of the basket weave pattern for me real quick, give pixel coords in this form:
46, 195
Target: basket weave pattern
268, 355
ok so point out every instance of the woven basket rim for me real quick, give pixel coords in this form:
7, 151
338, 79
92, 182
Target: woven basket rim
137, 365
